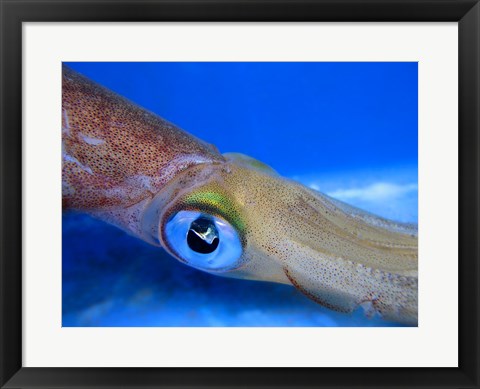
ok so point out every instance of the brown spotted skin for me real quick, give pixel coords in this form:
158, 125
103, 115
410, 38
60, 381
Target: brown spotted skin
133, 169
116, 154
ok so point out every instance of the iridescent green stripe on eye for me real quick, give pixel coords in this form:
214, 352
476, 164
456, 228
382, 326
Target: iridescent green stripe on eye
216, 203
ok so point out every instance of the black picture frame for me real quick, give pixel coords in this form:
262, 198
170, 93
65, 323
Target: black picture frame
13, 13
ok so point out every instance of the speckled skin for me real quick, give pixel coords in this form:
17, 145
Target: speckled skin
116, 153
133, 169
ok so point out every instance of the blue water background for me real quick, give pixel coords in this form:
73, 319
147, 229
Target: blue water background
346, 129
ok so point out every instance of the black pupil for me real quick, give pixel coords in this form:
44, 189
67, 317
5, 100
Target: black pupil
202, 236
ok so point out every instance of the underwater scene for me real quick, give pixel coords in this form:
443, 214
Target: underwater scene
348, 130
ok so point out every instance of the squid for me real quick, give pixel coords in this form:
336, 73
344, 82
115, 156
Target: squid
228, 214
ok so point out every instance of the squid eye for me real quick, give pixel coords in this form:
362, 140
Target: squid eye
203, 241
202, 237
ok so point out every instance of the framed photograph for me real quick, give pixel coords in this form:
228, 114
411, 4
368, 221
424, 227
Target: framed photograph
239, 194
232, 106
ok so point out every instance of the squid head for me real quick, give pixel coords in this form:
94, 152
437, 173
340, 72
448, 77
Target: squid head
241, 219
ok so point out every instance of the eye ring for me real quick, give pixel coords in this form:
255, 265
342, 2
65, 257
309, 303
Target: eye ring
203, 241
